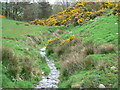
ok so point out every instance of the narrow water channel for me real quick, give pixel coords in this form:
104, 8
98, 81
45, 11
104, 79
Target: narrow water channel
52, 80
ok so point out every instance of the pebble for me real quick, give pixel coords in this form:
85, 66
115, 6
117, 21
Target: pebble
101, 86
42, 72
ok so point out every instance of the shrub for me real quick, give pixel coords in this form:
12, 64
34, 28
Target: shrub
11, 61
78, 14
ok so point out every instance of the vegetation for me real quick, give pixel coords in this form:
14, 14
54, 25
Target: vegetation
86, 52
22, 64
86, 60
22, 10
25, 11
78, 14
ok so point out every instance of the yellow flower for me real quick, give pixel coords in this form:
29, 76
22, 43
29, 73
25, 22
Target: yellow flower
2, 16
117, 14
72, 37
80, 21
89, 12
88, 18
54, 39
79, 4
49, 41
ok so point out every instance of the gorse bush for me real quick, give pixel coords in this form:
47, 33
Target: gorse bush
116, 9
78, 14
62, 45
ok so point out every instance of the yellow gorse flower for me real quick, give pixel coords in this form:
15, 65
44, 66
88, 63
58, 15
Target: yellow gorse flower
2, 16
77, 14
68, 40
80, 21
117, 14
52, 40
72, 37
49, 41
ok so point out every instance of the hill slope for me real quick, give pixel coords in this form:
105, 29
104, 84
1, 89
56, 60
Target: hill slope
87, 55
22, 65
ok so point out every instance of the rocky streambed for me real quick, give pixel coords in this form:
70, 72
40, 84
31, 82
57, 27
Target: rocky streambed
50, 81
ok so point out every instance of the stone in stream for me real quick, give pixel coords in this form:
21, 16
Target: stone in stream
54, 86
52, 68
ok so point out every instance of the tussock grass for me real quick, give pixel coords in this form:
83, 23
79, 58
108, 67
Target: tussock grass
105, 49
17, 65
79, 60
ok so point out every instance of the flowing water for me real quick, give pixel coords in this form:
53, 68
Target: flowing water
50, 81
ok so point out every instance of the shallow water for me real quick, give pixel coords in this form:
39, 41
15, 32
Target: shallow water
52, 80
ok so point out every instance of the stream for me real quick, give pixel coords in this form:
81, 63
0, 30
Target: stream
50, 81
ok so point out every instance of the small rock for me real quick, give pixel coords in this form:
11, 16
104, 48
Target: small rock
110, 84
113, 67
101, 86
42, 72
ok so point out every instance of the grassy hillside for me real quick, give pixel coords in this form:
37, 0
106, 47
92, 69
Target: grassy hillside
87, 54
22, 64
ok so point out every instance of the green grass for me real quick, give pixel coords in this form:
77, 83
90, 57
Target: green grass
90, 79
12, 30
102, 30
14, 37
7, 83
